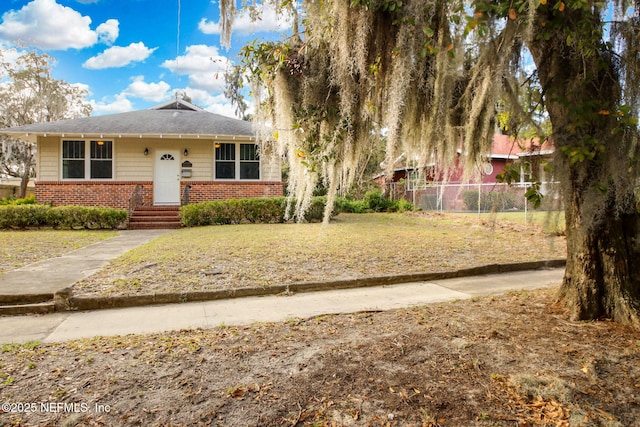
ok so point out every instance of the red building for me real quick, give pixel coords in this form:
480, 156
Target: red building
430, 190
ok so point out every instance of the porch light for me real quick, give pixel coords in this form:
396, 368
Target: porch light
146, 151
185, 152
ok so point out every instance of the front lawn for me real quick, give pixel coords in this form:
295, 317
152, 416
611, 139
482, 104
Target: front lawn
551, 221
19, 248
351, 246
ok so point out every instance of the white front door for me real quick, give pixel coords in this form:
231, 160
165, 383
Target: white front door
166, 181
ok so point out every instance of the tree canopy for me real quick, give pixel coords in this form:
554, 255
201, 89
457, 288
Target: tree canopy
29, 94
429, 76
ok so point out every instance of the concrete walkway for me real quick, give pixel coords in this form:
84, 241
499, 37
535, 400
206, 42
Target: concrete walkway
65, 326
51, 275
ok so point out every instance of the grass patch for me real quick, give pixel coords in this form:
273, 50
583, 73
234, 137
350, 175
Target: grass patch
351, 246
19, 248
551, 222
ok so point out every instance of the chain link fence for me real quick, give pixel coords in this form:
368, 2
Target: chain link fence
470, 197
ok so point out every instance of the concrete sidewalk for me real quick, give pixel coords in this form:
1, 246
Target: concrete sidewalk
65, 326
48, 276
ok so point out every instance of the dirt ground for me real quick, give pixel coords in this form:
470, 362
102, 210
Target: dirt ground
511, 360
352, 246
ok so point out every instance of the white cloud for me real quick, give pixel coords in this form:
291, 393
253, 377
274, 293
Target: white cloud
155, 92
108, 31
204, 66
118, 56
48, 25
120, 104
224, 109
82, 86
268, 21
218, 104
9, 54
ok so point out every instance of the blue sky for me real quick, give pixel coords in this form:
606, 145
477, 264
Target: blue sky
132, 54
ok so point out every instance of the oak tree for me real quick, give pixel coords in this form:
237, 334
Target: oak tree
29, 94
428, 74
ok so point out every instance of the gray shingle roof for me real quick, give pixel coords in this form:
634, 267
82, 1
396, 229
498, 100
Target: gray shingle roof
165, 119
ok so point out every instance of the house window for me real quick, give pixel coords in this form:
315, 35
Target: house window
77, 165
73, 159
225, 161
249, 161
237, 160
101, 159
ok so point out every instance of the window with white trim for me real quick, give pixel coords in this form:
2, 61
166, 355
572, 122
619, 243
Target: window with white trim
237, 161
87, 159
249, 161
225, 161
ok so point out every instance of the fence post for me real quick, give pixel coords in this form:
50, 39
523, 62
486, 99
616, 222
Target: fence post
526, 203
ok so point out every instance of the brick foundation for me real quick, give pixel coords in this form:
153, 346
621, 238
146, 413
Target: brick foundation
116, 194
202, 191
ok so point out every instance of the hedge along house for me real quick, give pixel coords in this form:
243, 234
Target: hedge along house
171, 154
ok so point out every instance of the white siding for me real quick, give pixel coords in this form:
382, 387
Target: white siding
48, 161
130, 162
201, 158
271, 168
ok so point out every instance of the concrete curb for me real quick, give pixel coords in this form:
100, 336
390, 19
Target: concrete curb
65, 301
26, 298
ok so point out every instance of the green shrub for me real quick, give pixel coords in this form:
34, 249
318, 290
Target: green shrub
377, 201
401, 205
23, 216
352, 206
86, 217
29, 215
499, 201
237, 211
315, 213
29, 200
374, 201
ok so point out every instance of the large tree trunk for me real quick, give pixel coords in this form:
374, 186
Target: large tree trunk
26, 160
603, 259
582, 94
24, 182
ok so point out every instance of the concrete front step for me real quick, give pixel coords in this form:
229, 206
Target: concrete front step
154, 225
155, 217
158, 208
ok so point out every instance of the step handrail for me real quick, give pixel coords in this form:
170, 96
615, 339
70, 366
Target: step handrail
186, 195
135, 199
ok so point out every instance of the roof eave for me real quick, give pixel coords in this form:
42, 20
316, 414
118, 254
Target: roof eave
32, 136
536, 153
503, 156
